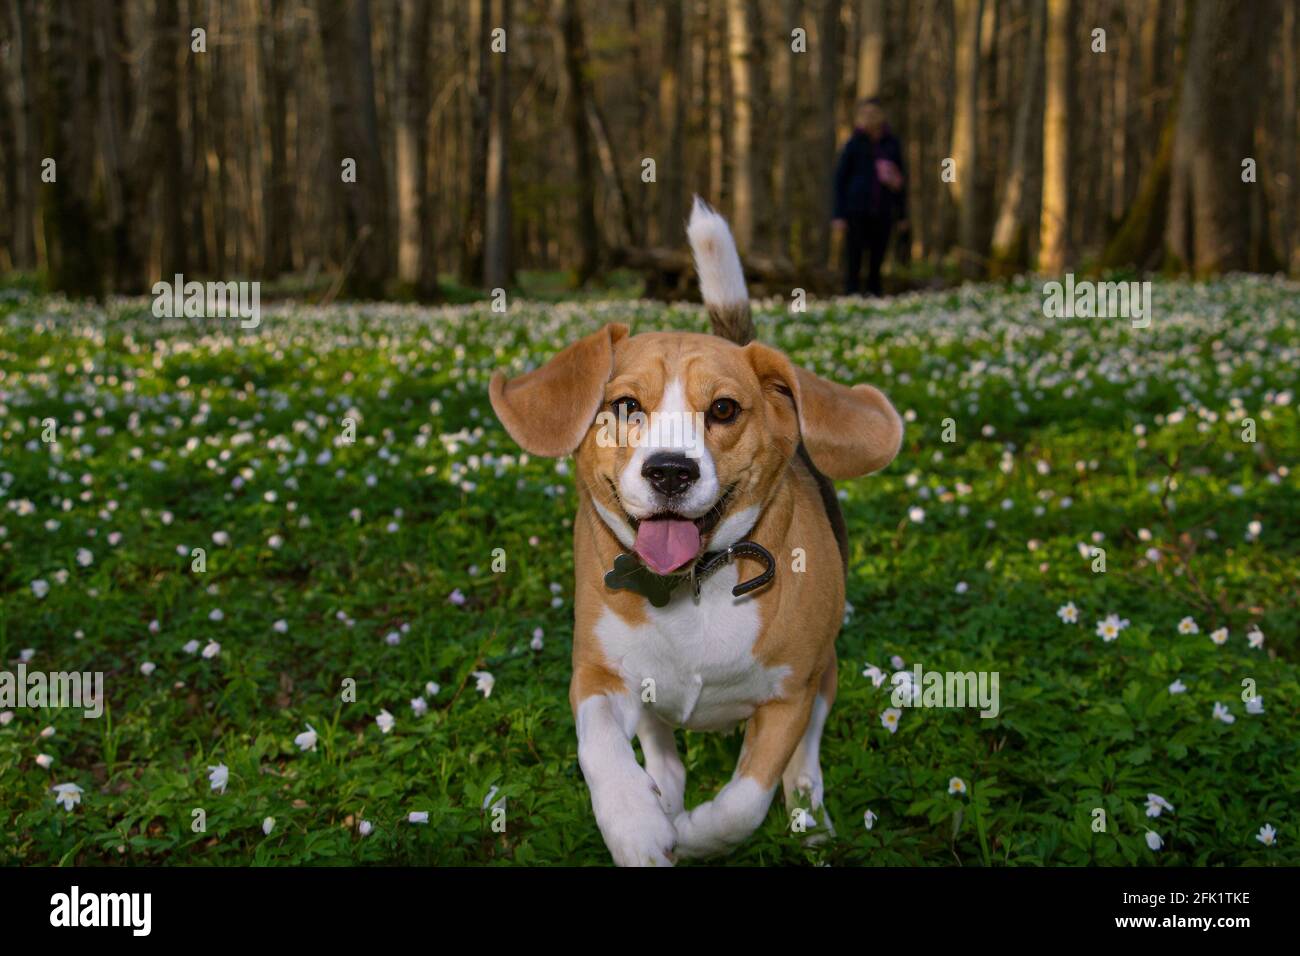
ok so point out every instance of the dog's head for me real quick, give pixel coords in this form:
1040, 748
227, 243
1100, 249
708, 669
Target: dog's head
681, 439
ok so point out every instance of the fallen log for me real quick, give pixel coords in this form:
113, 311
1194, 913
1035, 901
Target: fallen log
670, 273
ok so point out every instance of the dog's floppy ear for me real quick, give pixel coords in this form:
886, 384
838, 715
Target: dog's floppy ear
548, 410
848, 431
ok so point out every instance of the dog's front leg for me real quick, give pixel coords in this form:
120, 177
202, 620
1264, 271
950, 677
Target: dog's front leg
773, 732
624, 798
662, 762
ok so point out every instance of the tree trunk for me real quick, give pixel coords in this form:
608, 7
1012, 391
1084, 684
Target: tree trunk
354, 133
121, 173
476, 86
1087, 190
207, 171
992, 111
965, 140
920, 131
827, 55
1290, 140
896, 91
1054, 220
1139, 240
161, 160
23, 61
1010, 240
75, 266
742, 124
498, 270
1122, 89
573, 53
416, 262
254, 158
672, 127
1207, 230
784, 101
622, 225
1153, 60
279, 54
8, 170
716, 105
641, 111
871, 47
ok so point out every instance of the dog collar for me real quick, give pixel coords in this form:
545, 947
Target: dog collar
629, 574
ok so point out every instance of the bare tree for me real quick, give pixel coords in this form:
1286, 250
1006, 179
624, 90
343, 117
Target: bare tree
717, 89
573, 54
672, 126
965, 141
642, 101
73, 249
828, 84
1010, 239
742, 124
123, 176
416, 257
8, 169
783, 101
871, 47
1290, 224
1207, 230
626, 227
497, 268
278, 45
345, 30
160, 159
1053, 234
1121, 115
22, 68
354, 128
1140, 238
473, 226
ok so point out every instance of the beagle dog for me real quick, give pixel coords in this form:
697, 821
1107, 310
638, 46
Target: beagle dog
709, 553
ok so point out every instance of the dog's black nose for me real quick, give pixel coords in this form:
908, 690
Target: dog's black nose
670, 473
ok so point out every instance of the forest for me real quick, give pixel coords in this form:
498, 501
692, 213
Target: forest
414, 148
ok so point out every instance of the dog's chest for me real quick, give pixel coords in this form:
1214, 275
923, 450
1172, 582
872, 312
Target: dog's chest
692, 662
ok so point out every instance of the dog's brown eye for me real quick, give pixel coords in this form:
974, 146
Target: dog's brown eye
724, 410
627, 404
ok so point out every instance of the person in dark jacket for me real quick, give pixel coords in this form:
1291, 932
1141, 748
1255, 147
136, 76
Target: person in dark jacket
869, 195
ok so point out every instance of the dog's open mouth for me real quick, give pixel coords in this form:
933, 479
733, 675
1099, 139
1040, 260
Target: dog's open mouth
667, 542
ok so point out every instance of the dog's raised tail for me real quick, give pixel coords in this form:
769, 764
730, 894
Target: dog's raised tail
722, 280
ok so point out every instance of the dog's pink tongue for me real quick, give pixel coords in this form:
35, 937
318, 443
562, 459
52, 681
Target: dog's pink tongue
667, 543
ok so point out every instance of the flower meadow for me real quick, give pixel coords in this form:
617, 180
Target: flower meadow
332, 602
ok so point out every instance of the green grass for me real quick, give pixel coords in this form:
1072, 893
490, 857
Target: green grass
172, 431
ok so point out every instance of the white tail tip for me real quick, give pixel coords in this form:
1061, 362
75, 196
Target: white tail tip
722, 280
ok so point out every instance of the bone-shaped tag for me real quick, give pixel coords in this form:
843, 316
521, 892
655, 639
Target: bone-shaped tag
629, 574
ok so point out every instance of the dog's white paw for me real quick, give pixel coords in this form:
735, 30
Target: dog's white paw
631, 820
723, 822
